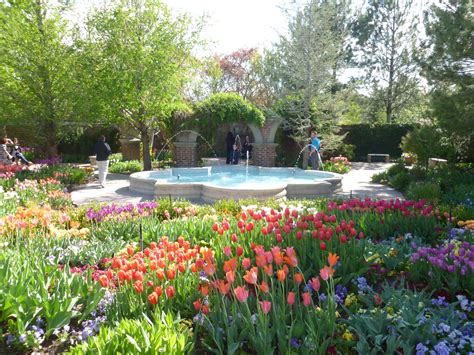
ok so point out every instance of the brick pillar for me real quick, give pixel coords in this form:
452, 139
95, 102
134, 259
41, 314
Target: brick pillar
264, 154
185, 154
130, 149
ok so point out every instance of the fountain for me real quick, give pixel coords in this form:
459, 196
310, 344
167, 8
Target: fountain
212, 183
186, 131
319, 156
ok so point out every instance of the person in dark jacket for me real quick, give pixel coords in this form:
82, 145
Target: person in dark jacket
102, 151
229, 141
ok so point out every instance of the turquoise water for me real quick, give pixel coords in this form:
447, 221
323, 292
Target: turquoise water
239, 179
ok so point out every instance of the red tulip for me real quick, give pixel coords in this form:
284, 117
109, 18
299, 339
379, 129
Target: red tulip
138, 285
306, 299
291, 298
170, 291
153, 298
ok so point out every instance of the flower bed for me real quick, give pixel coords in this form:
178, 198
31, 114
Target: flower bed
315, 277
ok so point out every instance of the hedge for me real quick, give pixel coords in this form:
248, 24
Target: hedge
383, 139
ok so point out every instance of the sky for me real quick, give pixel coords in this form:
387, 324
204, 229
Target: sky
230, 24
236, 24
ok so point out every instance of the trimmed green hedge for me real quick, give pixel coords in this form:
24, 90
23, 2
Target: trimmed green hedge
384, 139
227, 107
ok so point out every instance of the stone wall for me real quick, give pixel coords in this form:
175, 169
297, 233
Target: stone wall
185, 154
264, 154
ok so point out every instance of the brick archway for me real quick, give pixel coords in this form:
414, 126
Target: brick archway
264, 146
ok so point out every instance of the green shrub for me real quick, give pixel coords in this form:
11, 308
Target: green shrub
428, 191
401, 181
427, 142
141, 336
380, 177
397, 168
115, 158
126, 167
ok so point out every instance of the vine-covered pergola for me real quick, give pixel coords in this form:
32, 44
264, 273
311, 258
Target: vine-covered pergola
226, 108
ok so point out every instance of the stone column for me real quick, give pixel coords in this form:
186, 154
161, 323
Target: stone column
264, 154
130, 149
185, 154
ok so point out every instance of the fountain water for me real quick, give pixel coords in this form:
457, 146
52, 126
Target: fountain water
317, 151
186, 131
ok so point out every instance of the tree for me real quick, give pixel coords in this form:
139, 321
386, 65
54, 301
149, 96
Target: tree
449, 68
142, 59
302, 70
37, 71
241, 75
386, 38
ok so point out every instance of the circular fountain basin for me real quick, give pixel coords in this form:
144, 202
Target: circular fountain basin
235, 182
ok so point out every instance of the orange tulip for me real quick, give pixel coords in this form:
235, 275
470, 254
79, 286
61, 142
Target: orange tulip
171, 273
281, 275
268, 269
260, 260
332, 259
223, 287
230, 276
160, 274
252, 276
230, 265
103, 280
264, 287
298, 278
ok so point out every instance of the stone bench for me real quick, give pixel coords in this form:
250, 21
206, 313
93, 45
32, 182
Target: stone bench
385, 156
434, 162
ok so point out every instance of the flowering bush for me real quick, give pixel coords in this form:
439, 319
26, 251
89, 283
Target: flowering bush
340, 165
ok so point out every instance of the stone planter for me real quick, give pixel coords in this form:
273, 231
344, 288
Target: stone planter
93, 160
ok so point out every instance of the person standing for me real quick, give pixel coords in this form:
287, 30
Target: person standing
229, 142
102, 151
5, 156
314, 148
247, 148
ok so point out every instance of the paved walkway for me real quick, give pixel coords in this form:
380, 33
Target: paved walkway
357, 182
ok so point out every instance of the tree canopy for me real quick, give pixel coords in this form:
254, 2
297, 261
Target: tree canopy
141, 55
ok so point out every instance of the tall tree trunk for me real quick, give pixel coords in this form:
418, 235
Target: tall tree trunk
145, 137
